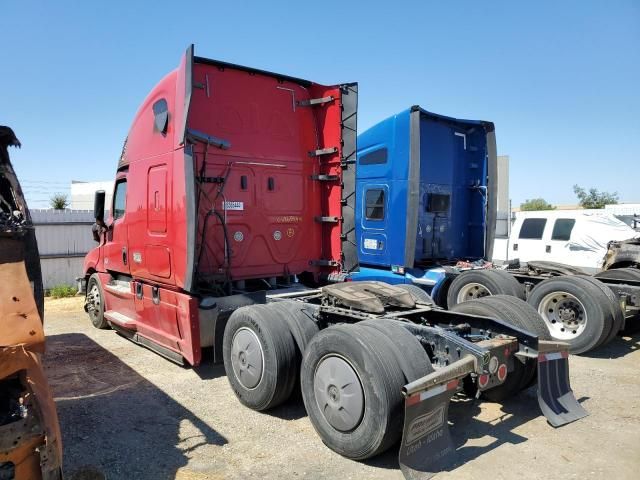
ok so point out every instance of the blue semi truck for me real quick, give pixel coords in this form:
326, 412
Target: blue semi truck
426, 215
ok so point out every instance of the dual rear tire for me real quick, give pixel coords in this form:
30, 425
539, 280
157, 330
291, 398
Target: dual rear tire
626, 273
576, 309
476, 284
351, 379
517, 313
351, 375
262, 348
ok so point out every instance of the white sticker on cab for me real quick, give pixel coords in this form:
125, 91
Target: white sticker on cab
233, 205
370, 244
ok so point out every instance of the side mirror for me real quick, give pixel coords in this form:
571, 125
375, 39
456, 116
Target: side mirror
98, 207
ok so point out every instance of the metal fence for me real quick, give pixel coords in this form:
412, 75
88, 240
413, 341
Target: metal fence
64, 238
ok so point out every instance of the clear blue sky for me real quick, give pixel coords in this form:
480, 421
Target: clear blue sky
560, 79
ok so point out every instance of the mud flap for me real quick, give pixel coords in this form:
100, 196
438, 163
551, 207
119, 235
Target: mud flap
555, 397
427, 447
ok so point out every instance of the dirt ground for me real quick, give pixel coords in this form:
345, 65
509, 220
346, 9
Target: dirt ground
130, 414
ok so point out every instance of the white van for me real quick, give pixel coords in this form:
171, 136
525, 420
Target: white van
572, 237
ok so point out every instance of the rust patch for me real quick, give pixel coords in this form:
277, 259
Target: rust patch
19, 319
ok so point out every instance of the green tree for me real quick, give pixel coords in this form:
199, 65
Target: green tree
59, 201
593, 198
536, 204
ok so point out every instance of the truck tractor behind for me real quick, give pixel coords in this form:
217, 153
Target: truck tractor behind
426, 216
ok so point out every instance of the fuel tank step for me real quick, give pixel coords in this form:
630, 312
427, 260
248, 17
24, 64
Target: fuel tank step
120, 320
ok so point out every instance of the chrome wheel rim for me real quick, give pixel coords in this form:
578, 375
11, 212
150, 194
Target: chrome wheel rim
339, 393
247, 358
94, 301
472, 291
564, 314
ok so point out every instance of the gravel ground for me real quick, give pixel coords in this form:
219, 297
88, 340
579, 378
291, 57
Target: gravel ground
127, 413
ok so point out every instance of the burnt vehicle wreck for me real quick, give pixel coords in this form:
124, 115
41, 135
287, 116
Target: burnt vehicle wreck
30, 446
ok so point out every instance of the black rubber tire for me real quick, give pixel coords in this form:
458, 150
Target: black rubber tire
409, 353
381, 379
626, 273
497, 282
510, 284
299, 318
616, 310
418, 294
440, 295
496, 307
97, 317
280, 362
527, 319
595, 302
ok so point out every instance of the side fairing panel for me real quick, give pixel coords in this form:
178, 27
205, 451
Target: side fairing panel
183, 89
492, 191
337, 126
348, 153
171, 322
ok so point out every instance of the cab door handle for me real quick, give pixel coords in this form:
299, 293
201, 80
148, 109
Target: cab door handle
547, 249
124, 255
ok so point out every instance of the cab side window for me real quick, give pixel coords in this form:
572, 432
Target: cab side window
161, 116
119, 199
562, 229
377, 157
532, 228
374, 202
437, 203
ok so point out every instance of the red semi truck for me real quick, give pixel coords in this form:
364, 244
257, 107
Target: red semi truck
232, 229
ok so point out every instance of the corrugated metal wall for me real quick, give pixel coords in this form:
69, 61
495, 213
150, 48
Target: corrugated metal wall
64, 237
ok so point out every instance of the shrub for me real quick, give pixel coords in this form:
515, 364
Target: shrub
59, 201
536, 204
594, 198
61, 291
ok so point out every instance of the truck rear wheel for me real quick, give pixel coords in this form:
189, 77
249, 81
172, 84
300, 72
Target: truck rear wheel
94, 302
409, 353
300, 320
515, 314
475, 284
351, 387
574, 310
627, 273
530, 320
260, 358
616, 310
418, 294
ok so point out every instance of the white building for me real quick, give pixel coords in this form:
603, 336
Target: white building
82, 194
